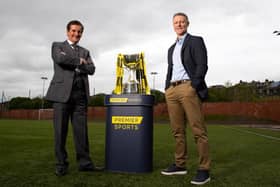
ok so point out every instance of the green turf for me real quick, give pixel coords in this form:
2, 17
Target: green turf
239, 158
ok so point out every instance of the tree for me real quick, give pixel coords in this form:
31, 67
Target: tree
20, 103
228, 84
219, 94
27, 103
159, 96
97, 100
37, 103
244, 92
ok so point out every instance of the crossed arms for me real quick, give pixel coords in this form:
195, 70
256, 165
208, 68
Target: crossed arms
69, 61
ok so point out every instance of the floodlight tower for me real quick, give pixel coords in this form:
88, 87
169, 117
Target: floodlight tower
44, 79
154, 73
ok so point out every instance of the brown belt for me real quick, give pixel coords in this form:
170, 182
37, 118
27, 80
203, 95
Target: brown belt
176, 83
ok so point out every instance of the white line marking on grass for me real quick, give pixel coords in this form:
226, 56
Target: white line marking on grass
258, 134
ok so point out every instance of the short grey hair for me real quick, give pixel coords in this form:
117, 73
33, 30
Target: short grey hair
181, 14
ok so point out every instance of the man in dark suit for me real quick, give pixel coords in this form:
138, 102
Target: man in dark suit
69, 92
184, 91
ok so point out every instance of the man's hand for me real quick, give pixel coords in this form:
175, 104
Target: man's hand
63, 53
83, 61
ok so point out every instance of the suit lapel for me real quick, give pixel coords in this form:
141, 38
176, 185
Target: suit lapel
186, 42
70, 50
170, 53
67, 45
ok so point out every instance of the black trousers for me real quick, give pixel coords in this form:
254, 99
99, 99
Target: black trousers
76, 110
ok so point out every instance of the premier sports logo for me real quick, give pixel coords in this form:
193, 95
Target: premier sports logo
126, 122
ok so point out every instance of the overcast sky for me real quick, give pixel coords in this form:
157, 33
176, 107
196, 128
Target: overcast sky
238, 35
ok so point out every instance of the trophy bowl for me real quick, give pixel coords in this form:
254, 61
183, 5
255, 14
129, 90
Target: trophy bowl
131, 63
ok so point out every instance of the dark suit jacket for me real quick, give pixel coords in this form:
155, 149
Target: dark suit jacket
194, 59
66, 60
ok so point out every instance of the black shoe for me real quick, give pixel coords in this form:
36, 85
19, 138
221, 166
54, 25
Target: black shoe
61, 171
174, 170
202, 177
91, 169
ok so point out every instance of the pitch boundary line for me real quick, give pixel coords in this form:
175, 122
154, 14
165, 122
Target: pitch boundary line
255, 133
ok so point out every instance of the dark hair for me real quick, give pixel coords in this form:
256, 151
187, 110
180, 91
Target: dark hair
74, 22
181, 14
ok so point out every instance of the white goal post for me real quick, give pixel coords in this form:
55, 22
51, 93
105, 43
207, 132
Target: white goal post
42, 111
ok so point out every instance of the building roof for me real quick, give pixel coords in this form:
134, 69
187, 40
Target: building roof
275, 84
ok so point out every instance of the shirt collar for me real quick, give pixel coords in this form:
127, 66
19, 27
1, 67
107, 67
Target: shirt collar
181, 39
71, 43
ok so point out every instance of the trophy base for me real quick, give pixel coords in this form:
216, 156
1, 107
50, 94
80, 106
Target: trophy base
130, 88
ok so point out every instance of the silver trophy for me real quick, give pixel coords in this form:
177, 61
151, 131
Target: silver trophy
131, 75
131, 63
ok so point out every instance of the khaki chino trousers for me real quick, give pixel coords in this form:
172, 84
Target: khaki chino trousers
184, 104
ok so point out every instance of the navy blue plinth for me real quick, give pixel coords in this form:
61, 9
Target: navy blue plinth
129, 133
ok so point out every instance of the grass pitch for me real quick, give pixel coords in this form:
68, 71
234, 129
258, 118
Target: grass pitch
240, 157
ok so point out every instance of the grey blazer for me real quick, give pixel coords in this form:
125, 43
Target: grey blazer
194, 60
66, 60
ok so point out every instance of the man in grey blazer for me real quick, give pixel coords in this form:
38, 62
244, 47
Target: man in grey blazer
185, 89
69, 92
